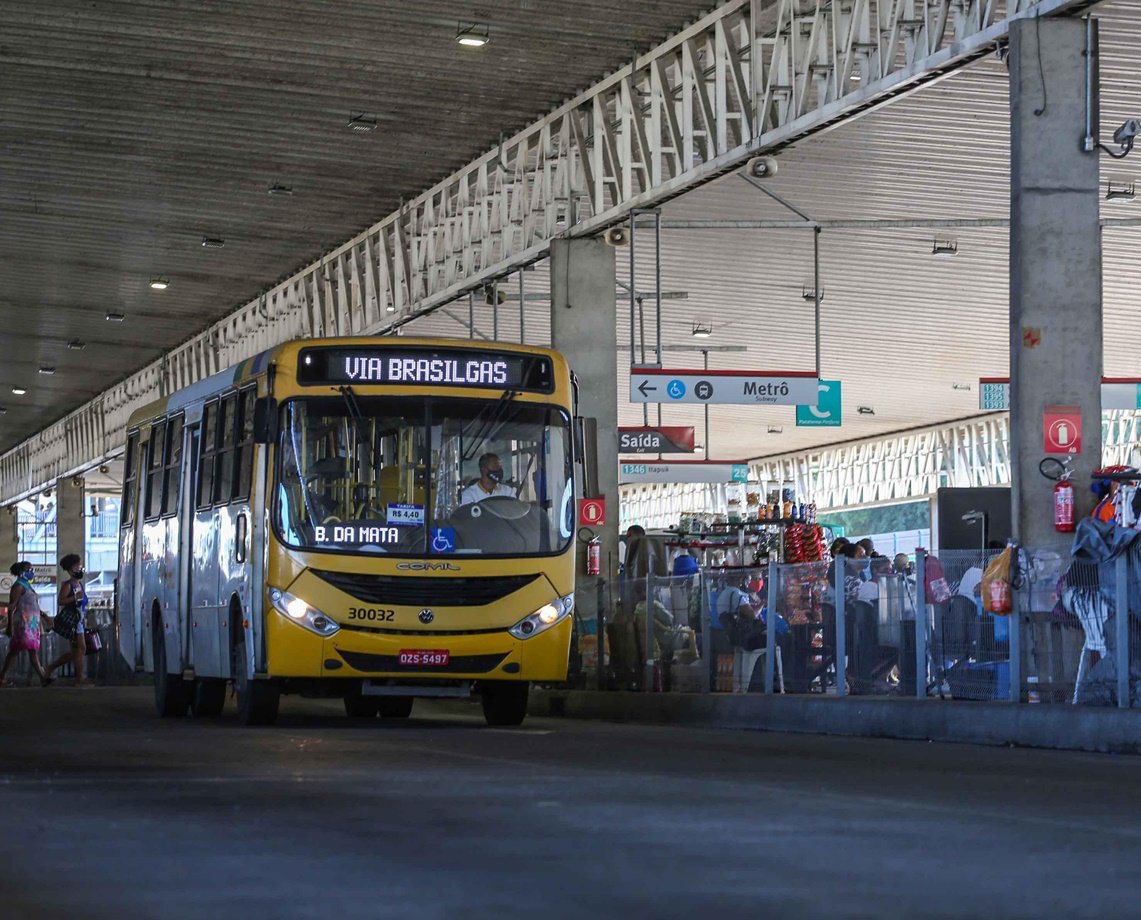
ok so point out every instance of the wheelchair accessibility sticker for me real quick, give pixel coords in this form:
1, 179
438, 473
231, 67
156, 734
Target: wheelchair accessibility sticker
443, 539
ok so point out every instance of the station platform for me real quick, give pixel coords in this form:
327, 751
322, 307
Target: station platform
1060, 727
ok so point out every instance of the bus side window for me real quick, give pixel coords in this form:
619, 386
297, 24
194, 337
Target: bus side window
207, 451
154, 470
245, 449
130, 476
172, 466
224, 470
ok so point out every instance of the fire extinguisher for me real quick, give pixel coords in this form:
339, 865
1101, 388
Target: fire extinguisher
594, 556
1064, 505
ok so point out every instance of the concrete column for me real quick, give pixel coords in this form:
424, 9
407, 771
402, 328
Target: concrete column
1055, 262
584, 329
9, 541
70, 518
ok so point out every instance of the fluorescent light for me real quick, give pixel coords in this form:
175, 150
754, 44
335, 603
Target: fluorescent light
47, 371
18, 391
702, 330
808, 293
1120, 192
362, 123
213, 242
473, 35
76, 345
115, 317
276, 189
160, 284
865, 410
944, 247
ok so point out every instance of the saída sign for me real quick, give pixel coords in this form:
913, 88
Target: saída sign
660, 440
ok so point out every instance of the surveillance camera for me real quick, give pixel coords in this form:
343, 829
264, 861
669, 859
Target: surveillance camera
617, 236
761, 167
1127, 132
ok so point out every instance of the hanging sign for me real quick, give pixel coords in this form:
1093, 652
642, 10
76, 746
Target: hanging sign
1062, 429
1116, 393
825, 412
591, 512
770, 388
683, 471
660, 440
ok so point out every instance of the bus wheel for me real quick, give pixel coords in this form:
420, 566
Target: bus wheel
504, 702
361, 707
257, 699
209, 697
172, 693
395, 707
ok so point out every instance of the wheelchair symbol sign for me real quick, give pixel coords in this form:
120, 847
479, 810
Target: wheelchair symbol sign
675, 389
443, 539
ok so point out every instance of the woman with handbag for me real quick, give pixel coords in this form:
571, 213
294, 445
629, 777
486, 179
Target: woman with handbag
24, 623
69, 620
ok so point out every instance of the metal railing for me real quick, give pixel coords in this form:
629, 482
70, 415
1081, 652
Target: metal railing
865, 627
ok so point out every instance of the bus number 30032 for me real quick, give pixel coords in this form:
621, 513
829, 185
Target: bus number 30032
372, 613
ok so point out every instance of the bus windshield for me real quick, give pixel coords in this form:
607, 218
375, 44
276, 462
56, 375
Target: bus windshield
424, 477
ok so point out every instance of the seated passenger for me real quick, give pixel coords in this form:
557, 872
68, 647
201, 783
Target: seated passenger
490, 483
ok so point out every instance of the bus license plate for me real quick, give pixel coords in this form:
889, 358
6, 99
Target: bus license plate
425, 657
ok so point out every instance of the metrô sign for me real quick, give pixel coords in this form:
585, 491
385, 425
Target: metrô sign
660, 440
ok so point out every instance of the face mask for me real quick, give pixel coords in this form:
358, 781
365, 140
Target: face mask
29, 576
78, 573
495, 475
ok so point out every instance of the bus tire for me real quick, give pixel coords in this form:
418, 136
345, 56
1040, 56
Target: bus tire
172, 693
361, 707
395, 707
504, 702
209, 697
257, 699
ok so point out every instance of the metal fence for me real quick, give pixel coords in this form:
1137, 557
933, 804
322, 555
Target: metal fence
876, 628
104, 666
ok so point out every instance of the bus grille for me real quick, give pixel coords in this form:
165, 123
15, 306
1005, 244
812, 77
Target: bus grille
459, 664
413, 591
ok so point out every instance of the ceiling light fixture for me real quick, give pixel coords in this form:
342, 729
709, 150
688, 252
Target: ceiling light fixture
701, 330
1120, 192
960, 386
160, 284
865, 410
808, 293
47, 371
775, 429
3, 410
390, 309
362, 123
115, 317
276, 189
944, 247
76, 345
213, 242
473, 35
18, 391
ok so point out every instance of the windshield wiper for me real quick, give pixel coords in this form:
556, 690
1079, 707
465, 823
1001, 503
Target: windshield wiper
487, 418
357, 416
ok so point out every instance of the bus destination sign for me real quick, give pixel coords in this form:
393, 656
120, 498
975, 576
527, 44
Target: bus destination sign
372, 365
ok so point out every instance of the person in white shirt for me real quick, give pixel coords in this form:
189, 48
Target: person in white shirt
490, 483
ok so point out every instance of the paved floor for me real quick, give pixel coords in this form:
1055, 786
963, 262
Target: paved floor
108, 812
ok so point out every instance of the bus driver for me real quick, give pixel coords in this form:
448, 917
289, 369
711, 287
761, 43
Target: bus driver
490, 483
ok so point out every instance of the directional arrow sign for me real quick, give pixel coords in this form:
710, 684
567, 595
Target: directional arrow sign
766, 388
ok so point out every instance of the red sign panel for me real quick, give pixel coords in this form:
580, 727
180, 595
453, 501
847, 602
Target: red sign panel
1062, 429
660, 440
591, 512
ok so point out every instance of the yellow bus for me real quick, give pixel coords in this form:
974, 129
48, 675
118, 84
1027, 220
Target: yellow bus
376, 519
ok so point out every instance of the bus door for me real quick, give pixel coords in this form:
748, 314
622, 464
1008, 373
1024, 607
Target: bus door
130, 603
211, 650
196, 654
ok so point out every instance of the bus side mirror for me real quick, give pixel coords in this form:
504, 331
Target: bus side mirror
586, 453
265, 420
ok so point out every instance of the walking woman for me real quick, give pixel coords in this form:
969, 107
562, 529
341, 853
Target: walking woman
69, 620
23, 623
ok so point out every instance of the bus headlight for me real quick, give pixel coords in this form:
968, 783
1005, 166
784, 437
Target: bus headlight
543, 618
296, 610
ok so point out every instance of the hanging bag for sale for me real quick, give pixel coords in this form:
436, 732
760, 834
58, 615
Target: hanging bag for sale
996, 591
935, 582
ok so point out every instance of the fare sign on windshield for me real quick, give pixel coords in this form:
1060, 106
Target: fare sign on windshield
373, 365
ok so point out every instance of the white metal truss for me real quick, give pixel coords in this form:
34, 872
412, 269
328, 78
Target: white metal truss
751, 76
906, 467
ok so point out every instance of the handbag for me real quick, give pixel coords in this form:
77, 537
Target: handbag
92, 641
67, 621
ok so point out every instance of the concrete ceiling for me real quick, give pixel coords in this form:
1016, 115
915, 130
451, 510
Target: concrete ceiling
901, 327
131, 130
